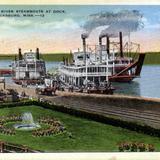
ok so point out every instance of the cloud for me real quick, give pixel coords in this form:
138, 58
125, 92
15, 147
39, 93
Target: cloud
65, 24
12, 23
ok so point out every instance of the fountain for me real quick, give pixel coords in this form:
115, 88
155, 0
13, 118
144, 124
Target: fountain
27, 122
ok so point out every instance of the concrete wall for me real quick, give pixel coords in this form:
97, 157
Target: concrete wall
140, 103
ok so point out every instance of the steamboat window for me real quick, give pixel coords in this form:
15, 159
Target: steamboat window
31, 66
80, 57
92, 69
21, 65
89, 69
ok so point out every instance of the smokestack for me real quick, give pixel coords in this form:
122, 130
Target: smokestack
100, 49
108, 45
37, 53
121, 44
15, 58
19, 54
83, 36
64, 60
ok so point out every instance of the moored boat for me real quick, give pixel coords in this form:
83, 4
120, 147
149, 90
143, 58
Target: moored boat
28, 68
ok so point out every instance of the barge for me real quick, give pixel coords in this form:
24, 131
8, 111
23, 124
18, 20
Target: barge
28, 68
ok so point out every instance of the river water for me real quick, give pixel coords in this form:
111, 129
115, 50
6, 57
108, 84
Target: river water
148, 85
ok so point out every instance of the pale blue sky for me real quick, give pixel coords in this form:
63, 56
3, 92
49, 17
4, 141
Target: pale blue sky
61, 28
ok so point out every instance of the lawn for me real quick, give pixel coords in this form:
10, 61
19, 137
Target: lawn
87, 135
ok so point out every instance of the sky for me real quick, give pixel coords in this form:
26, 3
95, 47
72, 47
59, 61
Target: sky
61, 31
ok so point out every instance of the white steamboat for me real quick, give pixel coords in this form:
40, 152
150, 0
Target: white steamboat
101, 64
28, 68
86, 71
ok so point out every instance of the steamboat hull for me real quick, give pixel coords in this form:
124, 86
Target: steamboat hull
123, 79
6, 72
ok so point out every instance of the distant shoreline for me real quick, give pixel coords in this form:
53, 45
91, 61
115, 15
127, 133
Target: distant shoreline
47, 57
152, 58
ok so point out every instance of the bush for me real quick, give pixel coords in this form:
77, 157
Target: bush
16, 104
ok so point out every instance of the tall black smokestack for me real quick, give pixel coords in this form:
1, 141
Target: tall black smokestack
83, 36
100, 49
108, 45
19, 54
121, 44
37, 53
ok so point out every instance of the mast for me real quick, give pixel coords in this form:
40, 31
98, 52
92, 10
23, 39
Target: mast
37, 53
19, 58
113, 62
18, 70
100, 49
108, 44
84, 36
107, 68
86, 73
36, 58
121, 44
35, 69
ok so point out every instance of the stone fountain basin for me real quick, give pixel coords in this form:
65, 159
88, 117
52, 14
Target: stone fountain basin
26, 126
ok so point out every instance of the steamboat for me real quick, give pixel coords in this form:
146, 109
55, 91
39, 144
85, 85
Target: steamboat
96, 66
28, 68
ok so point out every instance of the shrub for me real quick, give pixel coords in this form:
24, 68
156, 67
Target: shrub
135, 147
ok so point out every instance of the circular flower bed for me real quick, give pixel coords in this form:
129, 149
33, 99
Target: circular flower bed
52, 126
5, 120
55, 127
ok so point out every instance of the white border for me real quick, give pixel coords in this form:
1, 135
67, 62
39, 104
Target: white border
80, 156
81, 2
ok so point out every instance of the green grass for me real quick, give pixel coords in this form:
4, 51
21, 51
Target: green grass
55, 56
87, 135
151, 57
7, 57
46, 57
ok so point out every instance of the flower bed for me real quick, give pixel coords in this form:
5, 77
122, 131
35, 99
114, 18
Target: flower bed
55, 127
4, 120
135, 147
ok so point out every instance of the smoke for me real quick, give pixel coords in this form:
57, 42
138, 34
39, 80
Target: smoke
84, 35
125, 21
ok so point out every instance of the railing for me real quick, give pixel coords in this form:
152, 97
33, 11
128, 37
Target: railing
14, 148
76, 74
29, 69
